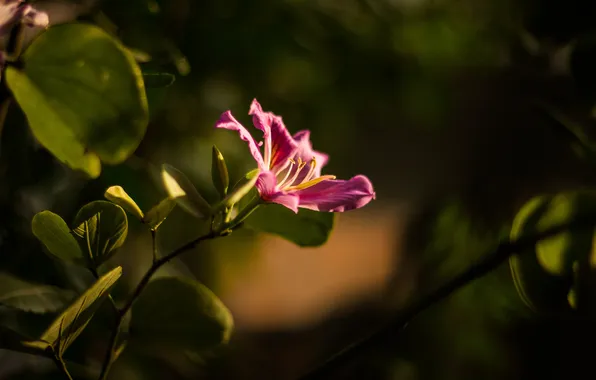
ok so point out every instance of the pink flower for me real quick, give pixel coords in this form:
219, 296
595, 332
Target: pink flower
14, 11
290, 170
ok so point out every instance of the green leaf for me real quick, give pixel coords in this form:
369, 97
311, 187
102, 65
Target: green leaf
219, 172
83, 95
241, 190
545, 276
307, 228
14, 341
179, 188
159, 213
35, 298
557, 254
180, 313
101, 228
67, 327
117, 195
55, 234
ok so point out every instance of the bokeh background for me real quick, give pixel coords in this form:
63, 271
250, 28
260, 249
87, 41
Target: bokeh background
441, 103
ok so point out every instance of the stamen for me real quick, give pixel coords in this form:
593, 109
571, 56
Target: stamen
292, 163
311, 170
310, 183
300, 166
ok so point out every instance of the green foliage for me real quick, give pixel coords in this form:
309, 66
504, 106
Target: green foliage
30, 297
307, 228
15, 341
55, 234
156, 87
83, 95
101, 228
219, 172
180, 313
181, 189
117, 195
158, 213
67, 327
243, 190
154, 217
556, 275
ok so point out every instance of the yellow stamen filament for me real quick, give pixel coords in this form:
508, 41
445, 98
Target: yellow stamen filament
311, 170
292, 163
310, 183
300, 166
307, 181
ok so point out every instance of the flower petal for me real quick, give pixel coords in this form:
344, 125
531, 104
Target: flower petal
266, 184
11, 12
337, 195
306, 153
279, 144
227, 121
32, 17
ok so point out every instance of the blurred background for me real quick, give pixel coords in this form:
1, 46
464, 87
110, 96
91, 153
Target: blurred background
443, 104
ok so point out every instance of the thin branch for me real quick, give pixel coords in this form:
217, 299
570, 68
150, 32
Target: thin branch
154, 243
62, 367
157, 263
109, 358
485, 265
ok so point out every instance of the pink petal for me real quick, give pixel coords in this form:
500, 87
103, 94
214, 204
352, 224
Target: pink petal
227, 121
306, 153
11, 12
275, 133
266, 185
337, 195
32, 17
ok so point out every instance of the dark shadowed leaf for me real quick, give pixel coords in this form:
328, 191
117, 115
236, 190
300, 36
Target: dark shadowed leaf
180, 313
67, 327
83, 95
558, 271
55, 234
14, 341
101, 228
307, 228
35, 298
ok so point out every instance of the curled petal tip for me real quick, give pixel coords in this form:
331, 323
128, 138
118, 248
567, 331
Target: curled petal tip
227, 121
338, 195
255, 107
225, 117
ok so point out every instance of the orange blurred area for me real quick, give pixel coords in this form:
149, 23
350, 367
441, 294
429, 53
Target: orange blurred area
286, 286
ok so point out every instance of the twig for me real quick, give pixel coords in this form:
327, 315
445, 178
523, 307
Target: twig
62, 366
485, 265
154, 243
157, 263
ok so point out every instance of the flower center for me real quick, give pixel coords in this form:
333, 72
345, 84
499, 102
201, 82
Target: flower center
294, 177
